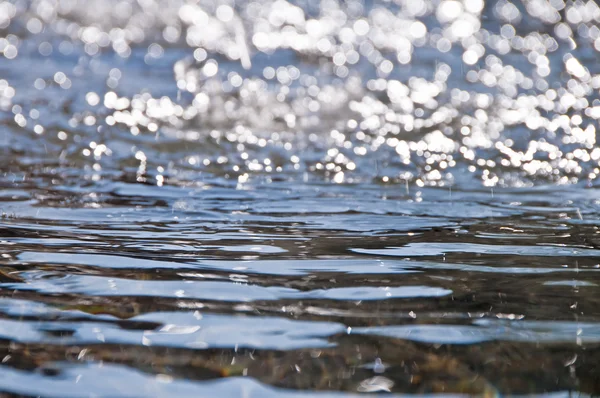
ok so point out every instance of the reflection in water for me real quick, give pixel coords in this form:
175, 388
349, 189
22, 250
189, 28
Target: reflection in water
290, 198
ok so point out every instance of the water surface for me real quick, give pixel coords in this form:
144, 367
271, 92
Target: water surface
286, 199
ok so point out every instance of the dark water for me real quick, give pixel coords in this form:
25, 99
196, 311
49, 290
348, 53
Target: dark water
273, 199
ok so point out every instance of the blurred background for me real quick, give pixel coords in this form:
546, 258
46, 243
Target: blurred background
432, 90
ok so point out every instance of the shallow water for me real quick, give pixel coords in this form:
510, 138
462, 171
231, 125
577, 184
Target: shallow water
280, 199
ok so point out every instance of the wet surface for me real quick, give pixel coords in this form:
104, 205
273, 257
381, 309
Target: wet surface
278, 198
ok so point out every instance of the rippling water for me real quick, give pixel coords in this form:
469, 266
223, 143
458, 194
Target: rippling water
273, 198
